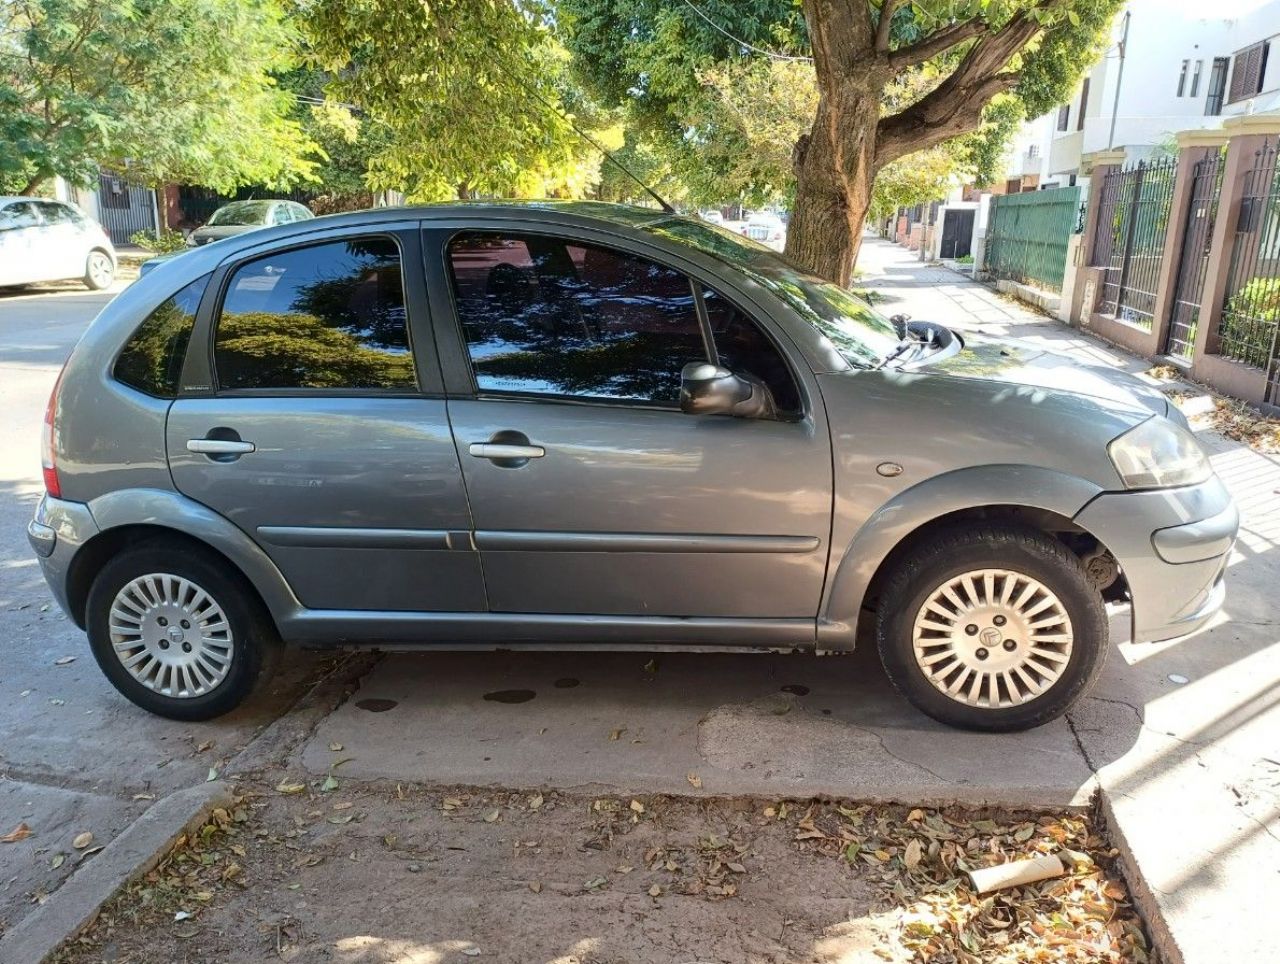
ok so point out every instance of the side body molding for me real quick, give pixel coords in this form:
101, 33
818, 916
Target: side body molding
852, 571
171, 510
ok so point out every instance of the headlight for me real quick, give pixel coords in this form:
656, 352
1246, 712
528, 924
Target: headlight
1159, 454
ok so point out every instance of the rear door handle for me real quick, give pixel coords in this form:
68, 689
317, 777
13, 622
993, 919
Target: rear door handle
498, 450
218, 446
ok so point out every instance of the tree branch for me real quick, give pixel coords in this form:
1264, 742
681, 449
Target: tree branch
887, 9
910, 131
955, 106
936, 43
942, 40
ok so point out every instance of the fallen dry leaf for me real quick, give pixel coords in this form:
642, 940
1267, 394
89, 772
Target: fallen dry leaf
288, 787
20, 832
82, 840
695, 781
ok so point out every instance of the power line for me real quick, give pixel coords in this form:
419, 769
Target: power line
742, 43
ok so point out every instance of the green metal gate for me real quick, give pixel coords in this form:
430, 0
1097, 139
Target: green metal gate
1027, 236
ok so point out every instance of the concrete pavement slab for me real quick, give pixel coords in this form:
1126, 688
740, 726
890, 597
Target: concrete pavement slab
743, 723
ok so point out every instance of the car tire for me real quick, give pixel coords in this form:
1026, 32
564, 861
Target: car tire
198, 639
99, 270
996, 629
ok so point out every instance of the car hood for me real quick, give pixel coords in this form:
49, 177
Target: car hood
216, 232
1020, 363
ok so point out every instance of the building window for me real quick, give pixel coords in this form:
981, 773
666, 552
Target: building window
1182, 78
1195, 79
1217, 86
1064, 116
1248, 70
1084, 102
1033, 150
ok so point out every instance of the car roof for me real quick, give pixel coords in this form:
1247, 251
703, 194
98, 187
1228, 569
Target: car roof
10, 198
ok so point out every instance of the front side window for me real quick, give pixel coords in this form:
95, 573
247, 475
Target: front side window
859, 334
151, 360
55, 213
327, 316
745, 349
549, 316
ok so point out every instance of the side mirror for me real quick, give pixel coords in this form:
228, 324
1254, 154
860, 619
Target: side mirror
899, 322
707, 389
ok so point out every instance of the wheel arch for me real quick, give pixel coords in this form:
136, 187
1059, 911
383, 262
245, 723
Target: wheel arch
1042, 499
126, 518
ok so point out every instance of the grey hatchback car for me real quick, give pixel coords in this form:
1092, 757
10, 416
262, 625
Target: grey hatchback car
580, 425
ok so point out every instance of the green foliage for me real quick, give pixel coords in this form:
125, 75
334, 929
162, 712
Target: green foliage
162, 242
459, 88
1250, 319
727, 118
179, 90
297, 348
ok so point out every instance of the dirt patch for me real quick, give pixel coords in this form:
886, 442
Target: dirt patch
368, 875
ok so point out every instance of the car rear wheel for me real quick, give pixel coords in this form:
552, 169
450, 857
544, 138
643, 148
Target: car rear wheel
99, 272
992, 629
177, 634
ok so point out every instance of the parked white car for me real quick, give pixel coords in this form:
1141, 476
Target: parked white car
43, 240
767, 228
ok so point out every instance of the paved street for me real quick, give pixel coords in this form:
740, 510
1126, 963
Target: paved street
74, 756
1192, 768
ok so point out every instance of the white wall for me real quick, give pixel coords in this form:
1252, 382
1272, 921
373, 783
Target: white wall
1162, 33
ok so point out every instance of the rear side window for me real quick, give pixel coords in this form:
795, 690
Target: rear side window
327, 316
151, 360
20, 215
548, 316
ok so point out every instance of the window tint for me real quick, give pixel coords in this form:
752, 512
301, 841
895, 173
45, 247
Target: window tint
548, 316
20, 215
151, 360
745, 349
56, 213
325, 316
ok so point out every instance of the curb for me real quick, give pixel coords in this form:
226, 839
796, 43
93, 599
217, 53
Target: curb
75, 905
1144, 898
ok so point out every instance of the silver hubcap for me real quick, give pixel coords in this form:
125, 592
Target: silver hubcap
992, 638
171, 635
100, 269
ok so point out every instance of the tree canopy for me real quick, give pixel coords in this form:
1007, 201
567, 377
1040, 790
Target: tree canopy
179, 90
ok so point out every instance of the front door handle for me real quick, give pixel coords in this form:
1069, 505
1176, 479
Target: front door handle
219, 446
498, 450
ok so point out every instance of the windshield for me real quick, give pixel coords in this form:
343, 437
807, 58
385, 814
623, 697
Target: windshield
242, 212
861, 335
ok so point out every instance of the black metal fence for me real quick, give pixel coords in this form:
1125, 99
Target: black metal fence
1129, 243
1193, 260
123, 208
1250, 322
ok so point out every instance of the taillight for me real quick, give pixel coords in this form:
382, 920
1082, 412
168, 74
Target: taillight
48, 450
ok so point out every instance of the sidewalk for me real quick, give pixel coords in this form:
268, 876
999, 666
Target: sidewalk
1195, 799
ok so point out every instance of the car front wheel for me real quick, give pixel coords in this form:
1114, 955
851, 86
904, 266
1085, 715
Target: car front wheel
992, 629
99, 272
177, 634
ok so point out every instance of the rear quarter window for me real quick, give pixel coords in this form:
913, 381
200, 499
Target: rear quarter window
151, 360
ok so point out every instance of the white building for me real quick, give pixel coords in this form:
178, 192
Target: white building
1169, 68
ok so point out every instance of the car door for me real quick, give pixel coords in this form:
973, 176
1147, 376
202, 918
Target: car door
315, 421
20, 260
591, 492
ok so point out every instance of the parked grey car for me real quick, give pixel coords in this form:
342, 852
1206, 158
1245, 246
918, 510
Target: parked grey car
239, 217
580, 425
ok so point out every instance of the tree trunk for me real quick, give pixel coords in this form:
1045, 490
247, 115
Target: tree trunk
834, 176
33, 185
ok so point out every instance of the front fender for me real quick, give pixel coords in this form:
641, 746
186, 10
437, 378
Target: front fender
988, 485
172, 510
